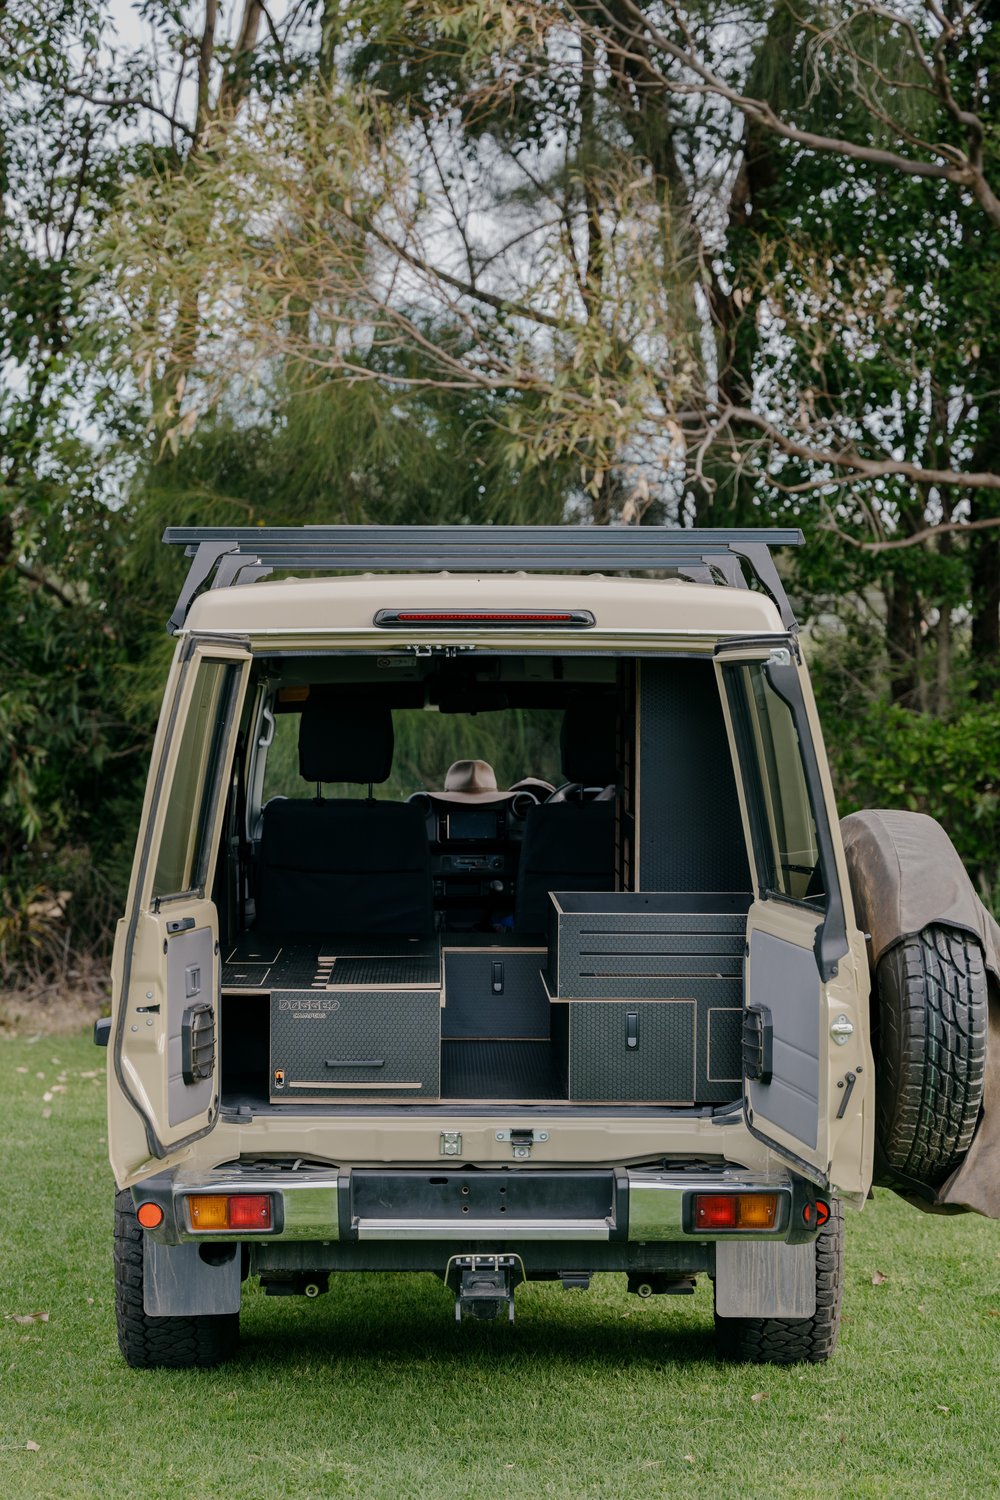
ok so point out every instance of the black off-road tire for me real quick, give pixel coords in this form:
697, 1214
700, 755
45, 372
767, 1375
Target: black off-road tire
150, 1343
930, 1043
792, 1341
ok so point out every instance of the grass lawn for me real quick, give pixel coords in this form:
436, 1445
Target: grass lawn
373, 1391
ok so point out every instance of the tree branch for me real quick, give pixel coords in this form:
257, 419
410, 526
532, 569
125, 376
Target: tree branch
128, 101
956, 166
868, 468
950, 528
46, 584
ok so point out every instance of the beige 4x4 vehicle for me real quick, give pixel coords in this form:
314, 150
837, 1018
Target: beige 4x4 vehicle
532, 1032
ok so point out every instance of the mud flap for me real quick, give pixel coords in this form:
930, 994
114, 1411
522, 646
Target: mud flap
177, 1283
757, 1279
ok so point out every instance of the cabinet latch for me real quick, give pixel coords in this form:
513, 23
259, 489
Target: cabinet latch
521, 1141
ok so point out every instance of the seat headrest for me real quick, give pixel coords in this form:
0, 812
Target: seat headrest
588, 742
475, 778
344, 741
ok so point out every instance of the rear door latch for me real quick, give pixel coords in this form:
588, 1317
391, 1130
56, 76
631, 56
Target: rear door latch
521, 1141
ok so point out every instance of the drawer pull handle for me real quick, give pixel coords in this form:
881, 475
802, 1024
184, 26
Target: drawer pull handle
355, 1062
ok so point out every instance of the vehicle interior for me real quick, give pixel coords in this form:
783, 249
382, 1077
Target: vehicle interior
459, 881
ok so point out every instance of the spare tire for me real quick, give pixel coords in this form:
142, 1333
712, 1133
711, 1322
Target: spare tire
930, 1049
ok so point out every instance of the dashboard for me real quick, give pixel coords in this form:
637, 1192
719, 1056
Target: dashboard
475, 850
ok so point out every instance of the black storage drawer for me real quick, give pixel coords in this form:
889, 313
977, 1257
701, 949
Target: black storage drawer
646, 945
649, 1051
495, 992
351, 1044
637, 1054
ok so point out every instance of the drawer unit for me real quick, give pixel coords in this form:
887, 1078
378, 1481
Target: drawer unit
496, 993
642, 1053
328, 1046
649, 985
648, 1051
635, 944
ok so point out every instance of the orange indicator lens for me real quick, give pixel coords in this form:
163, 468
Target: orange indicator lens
209, 1212
757, 1210
150, 1215
215, 1211
735, 1210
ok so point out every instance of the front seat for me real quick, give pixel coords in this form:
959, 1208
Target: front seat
569, 843
340, 865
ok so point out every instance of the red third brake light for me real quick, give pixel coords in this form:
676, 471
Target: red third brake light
397, 617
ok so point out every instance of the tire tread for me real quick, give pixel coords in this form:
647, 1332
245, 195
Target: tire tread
789, 1341
932, 996
156, 1343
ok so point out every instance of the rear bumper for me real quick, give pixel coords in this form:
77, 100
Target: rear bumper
478, 1207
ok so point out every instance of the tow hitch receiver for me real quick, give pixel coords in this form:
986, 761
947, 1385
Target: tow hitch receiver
483, 1284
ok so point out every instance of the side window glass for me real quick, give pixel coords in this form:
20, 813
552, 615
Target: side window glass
784, 826
183, 856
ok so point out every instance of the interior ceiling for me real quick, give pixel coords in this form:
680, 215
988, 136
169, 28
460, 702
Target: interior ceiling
451, 685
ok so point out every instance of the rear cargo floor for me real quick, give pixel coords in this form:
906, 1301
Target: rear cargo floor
499, 1070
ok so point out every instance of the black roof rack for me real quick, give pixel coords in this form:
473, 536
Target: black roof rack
243, 554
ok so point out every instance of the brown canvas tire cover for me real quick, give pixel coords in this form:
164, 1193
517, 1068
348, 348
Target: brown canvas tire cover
906, 875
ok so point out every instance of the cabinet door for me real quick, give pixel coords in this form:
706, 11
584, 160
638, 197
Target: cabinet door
495, 993
642, 1053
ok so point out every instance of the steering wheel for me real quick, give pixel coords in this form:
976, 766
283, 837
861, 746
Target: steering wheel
574, 791
522, 802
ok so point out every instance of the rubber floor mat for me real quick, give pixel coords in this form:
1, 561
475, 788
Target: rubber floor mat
499, 1070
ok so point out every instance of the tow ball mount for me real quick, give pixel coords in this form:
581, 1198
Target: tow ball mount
483, 1284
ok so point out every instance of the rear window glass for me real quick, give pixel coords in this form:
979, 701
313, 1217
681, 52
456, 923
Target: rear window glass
785, 838
517, 742
182, 858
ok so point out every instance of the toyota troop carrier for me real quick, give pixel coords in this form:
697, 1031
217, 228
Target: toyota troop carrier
613, 1016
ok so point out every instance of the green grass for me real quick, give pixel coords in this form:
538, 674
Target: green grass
374, 1392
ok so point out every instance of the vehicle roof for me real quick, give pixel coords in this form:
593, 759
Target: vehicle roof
347, 604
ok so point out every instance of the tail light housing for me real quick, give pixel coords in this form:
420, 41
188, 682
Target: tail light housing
212, 1213
713, 1213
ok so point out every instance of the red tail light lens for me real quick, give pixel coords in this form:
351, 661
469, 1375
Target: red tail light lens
735, 1211
715, 1211
250, 1211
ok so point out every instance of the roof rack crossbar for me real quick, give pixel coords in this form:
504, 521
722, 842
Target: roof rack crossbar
240, 554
